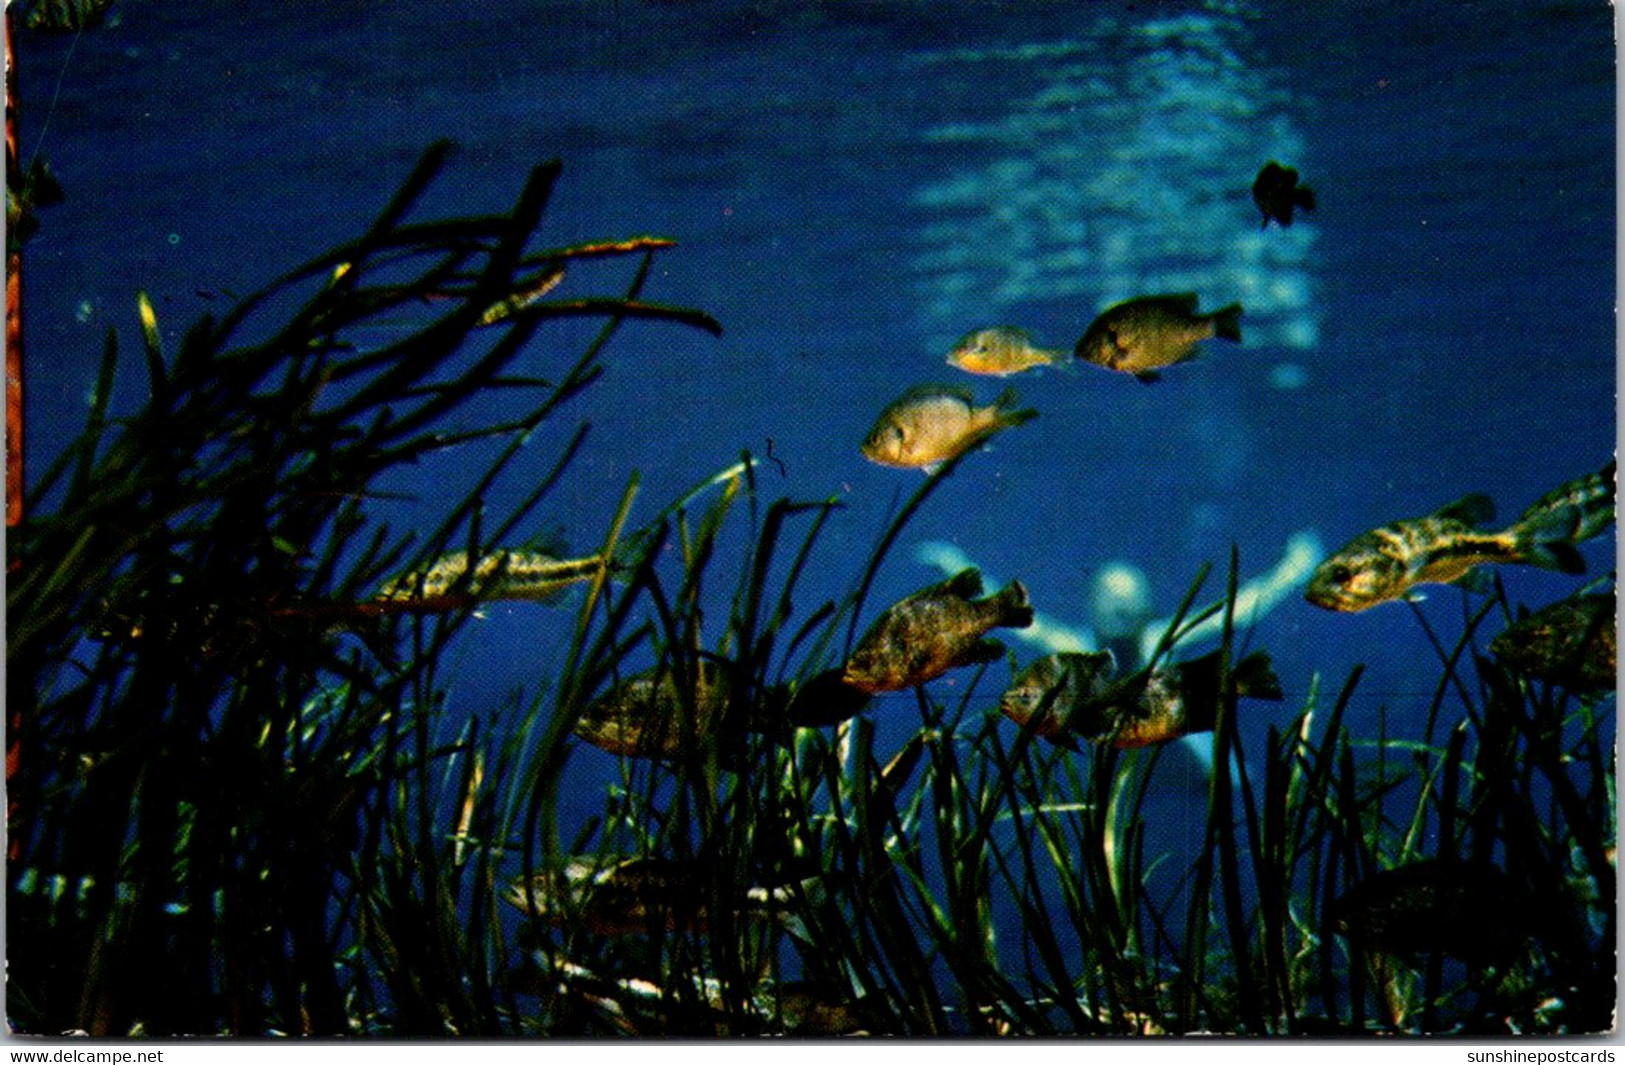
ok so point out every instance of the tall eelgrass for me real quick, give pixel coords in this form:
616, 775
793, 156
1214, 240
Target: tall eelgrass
234, 808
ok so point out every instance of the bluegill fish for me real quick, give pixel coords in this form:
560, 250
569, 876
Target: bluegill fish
1277, 193
999, 351
513, 575
1468, 910
1386, 563
1051, 686
930, 424
930, 632
1142, 335
1158, 705
1585, 505
644, 717
1573, 643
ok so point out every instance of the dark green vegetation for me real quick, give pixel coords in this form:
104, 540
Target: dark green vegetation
236, 806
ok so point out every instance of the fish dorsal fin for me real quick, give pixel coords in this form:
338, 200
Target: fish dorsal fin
1185, 300
967, 583
1475, 509
934, 391
1102, 659
1476, 580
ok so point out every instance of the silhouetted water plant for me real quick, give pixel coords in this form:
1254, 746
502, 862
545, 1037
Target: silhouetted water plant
239, 807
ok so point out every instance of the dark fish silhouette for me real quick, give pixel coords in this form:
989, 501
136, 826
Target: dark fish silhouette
825, 699
1468, 910
1386, 563
930, 632
1573, 643
1142, 335
1277, 193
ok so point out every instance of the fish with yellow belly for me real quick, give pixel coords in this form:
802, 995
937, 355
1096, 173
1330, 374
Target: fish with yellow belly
1444, 547
930, 424
999, 352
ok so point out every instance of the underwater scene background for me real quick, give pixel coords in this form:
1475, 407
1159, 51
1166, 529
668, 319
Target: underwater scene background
851, 188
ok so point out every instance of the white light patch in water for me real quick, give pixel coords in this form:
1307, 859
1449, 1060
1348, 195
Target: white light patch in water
1288, 376
1119, 167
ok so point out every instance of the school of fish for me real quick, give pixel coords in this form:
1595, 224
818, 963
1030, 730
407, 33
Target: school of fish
1070, 698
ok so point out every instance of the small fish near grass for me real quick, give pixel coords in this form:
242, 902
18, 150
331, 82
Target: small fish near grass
1051, 686
450, 583
1077, 697
1444, 547
1277, 193
922, 636
930, 424
1160, 705
1141, 336
620, 896
999, 352
1573, 643
643, 716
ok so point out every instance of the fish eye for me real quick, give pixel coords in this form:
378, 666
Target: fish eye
1339, 574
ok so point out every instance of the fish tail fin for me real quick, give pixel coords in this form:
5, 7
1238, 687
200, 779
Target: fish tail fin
1015, 609
1547, 541
1304, 197
1227, 323
1255, 677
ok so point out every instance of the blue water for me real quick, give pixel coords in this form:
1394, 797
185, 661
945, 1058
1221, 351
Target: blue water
854, 186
